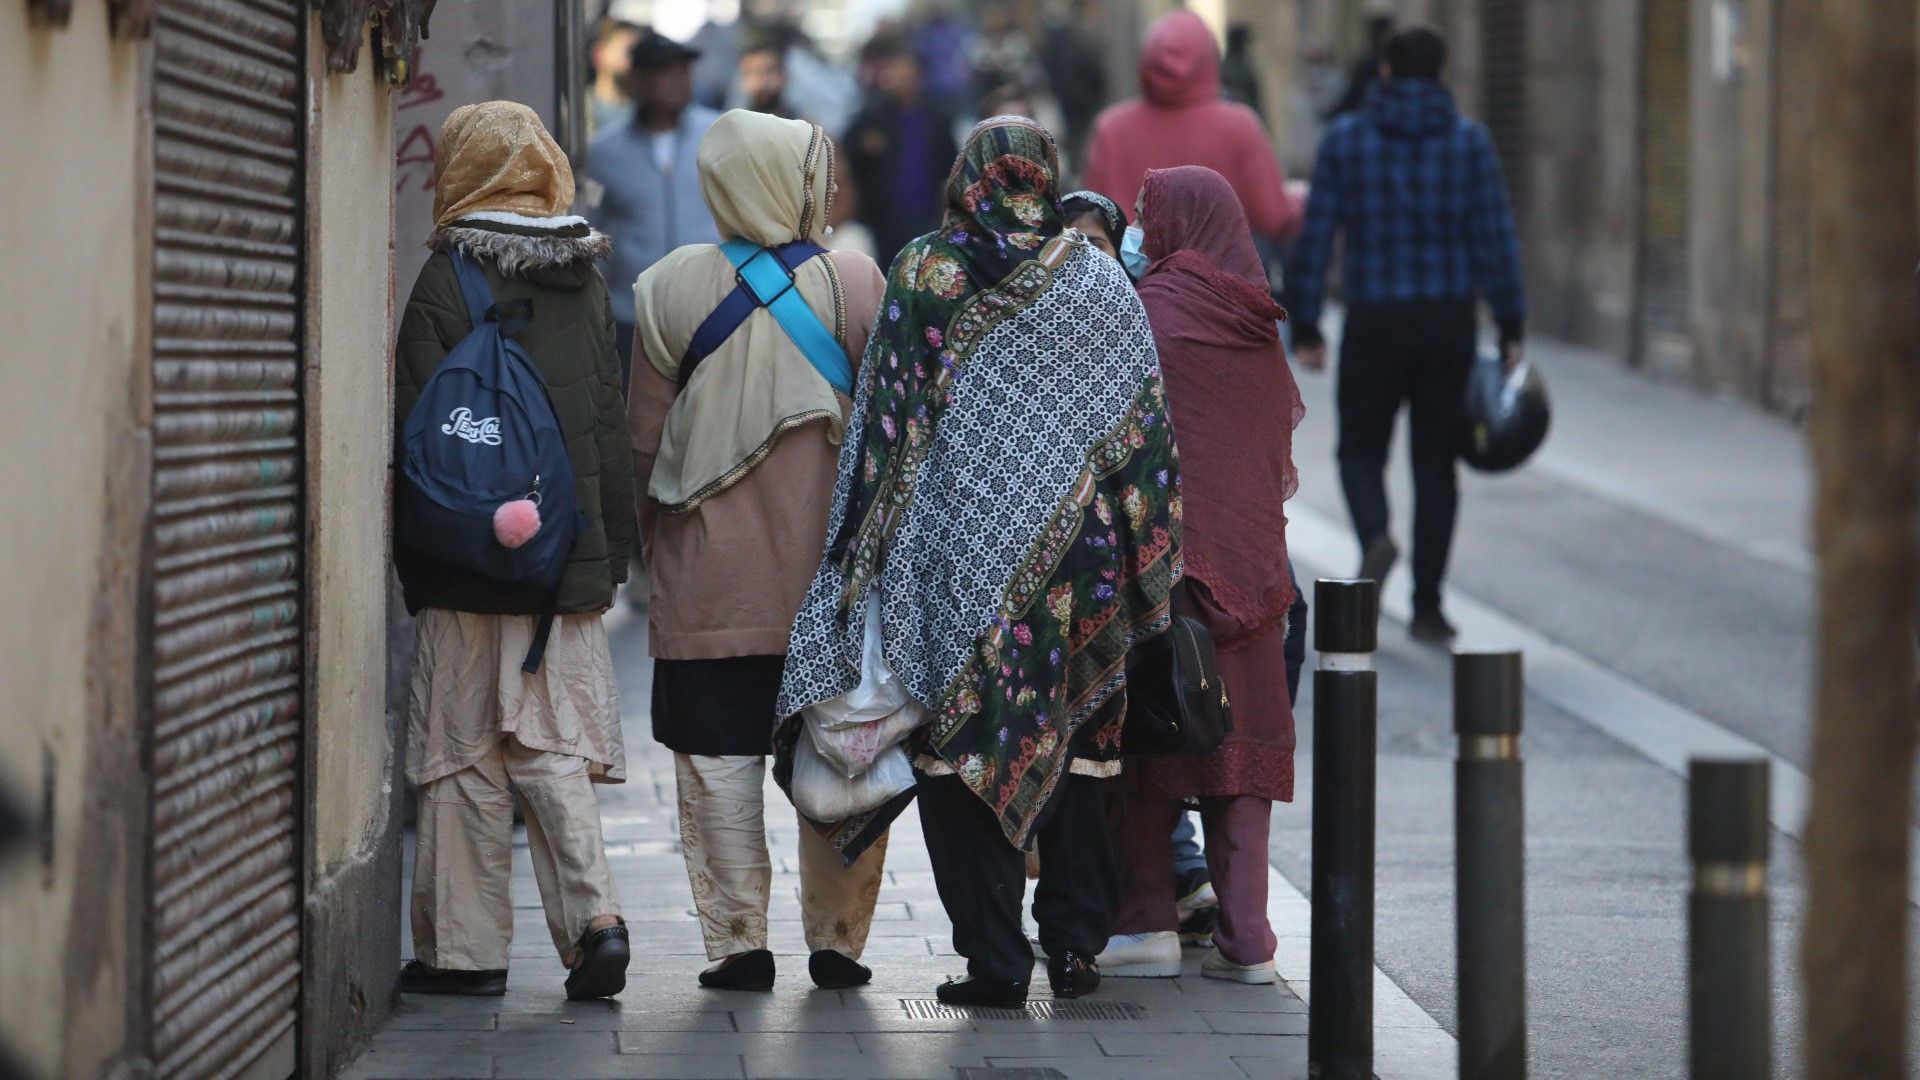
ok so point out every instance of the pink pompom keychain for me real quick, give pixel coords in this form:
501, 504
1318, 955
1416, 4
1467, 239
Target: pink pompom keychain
516, 522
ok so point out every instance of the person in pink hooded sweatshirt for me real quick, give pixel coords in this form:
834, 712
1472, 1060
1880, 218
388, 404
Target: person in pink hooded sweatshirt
1180, 119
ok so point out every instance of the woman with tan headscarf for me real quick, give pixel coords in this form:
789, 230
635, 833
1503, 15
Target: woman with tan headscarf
477, 723
737, 450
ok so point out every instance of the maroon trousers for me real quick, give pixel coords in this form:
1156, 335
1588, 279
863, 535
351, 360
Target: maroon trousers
1235, 828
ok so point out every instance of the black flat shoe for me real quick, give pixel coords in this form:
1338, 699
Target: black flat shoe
418, 978
834, 970
983, 992
750, 970
1430, 627
1073, 975
603, 964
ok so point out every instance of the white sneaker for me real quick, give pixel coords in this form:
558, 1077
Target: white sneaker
1153, 955
1216, 966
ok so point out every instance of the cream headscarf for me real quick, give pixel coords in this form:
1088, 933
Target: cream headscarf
497, 155
766, 180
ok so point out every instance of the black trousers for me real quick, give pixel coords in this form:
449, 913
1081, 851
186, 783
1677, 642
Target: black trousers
1418, 352
982, 878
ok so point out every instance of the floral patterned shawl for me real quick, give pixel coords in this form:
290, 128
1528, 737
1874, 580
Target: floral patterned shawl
1008, 483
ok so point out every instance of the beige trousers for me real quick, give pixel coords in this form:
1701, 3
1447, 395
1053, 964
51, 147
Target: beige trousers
463, 860
723, 836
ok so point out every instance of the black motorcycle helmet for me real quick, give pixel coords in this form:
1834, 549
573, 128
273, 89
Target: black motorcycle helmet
1507, 414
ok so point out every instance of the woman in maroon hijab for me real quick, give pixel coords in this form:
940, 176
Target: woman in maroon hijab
1234, 406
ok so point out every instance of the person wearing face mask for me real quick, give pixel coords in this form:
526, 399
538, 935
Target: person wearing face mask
737, 412
1234, 405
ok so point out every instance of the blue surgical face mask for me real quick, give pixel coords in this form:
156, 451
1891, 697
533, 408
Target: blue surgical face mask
1131, 256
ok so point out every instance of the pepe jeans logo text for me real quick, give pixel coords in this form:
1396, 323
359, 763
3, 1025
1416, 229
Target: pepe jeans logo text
462, 424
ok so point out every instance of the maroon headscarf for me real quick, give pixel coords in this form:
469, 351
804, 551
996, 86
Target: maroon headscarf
1230, 395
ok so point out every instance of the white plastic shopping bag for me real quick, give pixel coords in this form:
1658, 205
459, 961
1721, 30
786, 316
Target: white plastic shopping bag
852, 730
823, 794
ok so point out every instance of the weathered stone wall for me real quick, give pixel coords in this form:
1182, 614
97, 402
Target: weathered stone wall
72, 432
353, 741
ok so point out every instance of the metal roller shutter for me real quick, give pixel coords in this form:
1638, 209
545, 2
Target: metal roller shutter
226, 634
1665, 124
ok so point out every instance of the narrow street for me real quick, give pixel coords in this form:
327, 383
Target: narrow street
1656, 547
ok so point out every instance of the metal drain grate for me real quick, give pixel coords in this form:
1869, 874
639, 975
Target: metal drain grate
975, 1072
1042, 1009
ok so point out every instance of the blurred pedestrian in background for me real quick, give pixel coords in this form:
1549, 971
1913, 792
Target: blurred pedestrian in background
1233, 396
943, 40
899, 149
760, 83
1239, 79
1000, 55
610, 56
1077, 75
1047, 378
1415, 189
1179, 119
738, 457
645, 177
481, 730
1366, 70
718, 42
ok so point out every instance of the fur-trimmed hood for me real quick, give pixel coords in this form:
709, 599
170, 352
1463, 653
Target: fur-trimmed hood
518, 245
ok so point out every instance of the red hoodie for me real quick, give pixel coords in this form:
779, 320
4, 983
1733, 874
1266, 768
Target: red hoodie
1180, 120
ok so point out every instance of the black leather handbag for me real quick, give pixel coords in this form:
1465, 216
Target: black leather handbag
1176, 701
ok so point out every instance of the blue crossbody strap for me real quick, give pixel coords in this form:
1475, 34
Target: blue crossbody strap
765, 277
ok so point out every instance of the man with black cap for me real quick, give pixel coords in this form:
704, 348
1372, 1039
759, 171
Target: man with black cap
643, 180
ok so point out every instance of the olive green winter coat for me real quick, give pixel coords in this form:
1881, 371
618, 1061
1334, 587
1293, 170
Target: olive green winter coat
570, 339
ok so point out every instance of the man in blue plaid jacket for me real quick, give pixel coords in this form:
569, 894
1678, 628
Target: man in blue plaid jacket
1415, 189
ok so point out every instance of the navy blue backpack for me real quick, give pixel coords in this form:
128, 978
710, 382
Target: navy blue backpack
484, 434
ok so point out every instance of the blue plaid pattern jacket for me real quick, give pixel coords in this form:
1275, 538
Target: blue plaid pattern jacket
1415, 189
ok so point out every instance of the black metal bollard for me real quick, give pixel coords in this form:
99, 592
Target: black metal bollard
1340, 1015
1489, 866
1729, 965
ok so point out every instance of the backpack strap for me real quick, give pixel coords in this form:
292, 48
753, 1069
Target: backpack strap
512, 316
473, 285
543, 629
764, 278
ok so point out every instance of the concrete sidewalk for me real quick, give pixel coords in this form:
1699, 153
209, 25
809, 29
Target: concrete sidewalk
664, 1025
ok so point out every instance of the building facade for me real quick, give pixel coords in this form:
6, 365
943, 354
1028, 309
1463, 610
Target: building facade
1655, 151
194, 398
1659, 163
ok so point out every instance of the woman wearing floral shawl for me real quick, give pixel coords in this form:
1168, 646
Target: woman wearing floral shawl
1008, 497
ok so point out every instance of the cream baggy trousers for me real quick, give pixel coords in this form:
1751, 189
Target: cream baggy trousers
724, 838
463, 860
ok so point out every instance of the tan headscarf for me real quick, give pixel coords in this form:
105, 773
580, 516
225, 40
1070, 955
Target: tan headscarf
766, 180
497, 155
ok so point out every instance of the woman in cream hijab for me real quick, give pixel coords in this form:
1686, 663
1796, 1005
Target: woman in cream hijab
737, 462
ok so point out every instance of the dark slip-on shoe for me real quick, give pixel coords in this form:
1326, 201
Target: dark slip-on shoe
602, 971
750, 970
834, 970
1073, 975
418, 978
984, 993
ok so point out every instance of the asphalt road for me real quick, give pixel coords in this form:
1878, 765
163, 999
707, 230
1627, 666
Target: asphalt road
1681, 608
